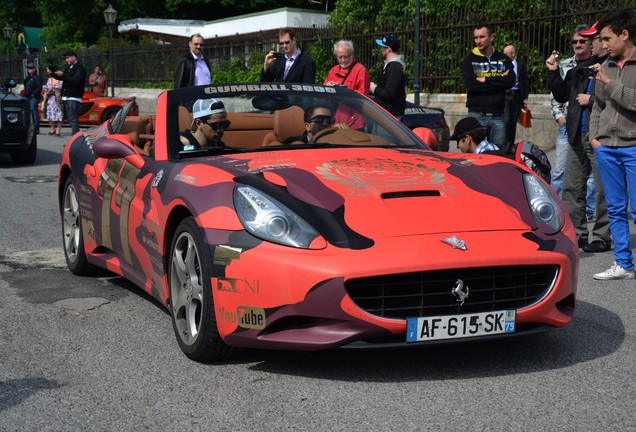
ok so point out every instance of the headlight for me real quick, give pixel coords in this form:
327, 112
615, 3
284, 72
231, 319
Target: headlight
13, 117
266, 218
544, 204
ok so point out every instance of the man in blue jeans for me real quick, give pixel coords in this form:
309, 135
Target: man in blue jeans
487, 75
611, 134
73, 83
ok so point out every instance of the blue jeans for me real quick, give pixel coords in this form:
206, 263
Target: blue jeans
617, 170
561, 145
34, 110
561, 152
495, 125
71, 111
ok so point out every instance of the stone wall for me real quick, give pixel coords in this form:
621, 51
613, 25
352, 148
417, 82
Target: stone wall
542, 132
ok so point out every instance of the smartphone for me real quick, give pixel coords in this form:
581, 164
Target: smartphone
278, 55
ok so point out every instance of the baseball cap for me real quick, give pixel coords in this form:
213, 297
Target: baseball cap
591, 32
389, 40
206, 107
30, 65
465, 125
69, 54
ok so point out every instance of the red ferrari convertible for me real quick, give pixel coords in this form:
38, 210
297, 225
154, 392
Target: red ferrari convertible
296, 232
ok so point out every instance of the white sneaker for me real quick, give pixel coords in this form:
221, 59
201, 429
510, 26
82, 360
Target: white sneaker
615, 272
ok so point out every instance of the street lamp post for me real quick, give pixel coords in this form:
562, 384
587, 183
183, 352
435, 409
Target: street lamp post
8, 32
110, 15
416, 67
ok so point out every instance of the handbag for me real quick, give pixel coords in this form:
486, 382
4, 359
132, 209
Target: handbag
525, 118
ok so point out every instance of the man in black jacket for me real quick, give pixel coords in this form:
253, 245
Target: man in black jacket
390, 90
193, 69
581, 160
73, 83
33, 88
292, 65
487, 75
517, 96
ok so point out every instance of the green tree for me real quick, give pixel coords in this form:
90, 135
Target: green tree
349, 12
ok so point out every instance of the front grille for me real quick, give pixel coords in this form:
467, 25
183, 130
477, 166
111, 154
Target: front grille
430, 293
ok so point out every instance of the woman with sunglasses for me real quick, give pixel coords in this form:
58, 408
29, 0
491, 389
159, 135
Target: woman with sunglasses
208, 125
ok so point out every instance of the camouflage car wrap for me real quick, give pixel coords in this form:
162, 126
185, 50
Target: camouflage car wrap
380, 212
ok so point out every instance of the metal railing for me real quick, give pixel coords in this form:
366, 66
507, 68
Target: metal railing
541, 27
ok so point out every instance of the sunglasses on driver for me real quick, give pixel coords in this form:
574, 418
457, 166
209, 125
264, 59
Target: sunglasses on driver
323, 120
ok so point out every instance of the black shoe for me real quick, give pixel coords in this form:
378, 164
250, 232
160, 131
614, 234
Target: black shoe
582, 243
597, 246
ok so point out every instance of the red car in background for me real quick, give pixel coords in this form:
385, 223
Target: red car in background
95, 109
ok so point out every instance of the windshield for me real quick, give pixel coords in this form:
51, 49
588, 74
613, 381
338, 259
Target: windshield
258, 117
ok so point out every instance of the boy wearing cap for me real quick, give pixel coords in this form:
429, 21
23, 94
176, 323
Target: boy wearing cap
471, 137
33, 88
73, 81
209, 124
390, 91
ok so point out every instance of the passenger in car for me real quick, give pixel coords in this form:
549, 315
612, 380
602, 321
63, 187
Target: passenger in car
208, 125
471, 137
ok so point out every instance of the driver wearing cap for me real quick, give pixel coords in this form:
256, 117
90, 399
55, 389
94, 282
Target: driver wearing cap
209, 124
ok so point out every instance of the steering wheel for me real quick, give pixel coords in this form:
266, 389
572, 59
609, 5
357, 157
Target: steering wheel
322, 133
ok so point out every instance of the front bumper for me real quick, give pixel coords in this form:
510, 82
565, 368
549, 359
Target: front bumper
282, 298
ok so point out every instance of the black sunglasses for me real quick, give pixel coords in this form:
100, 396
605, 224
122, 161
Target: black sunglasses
219, 125
323, 120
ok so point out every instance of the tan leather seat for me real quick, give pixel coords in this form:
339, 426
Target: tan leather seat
185, 119
287, 123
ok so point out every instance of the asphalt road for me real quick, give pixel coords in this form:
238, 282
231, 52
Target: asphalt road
97, 354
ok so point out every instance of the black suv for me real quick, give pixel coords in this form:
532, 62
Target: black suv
17, 133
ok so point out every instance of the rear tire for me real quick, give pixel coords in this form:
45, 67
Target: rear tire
72, 235
192, 304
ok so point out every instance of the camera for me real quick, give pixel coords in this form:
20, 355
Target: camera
557, 55
277, 55
589, 72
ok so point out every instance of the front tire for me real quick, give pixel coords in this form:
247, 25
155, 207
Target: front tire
72, 235
27, 157
192, 304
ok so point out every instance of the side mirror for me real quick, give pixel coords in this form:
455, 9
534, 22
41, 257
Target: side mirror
427, 136
118, 146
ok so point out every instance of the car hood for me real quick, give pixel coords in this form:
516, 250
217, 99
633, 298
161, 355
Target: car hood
390, 192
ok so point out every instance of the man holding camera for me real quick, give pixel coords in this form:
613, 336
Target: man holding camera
576, 89
292, 65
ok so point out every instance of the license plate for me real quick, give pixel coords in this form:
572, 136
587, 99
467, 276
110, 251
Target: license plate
423, 329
